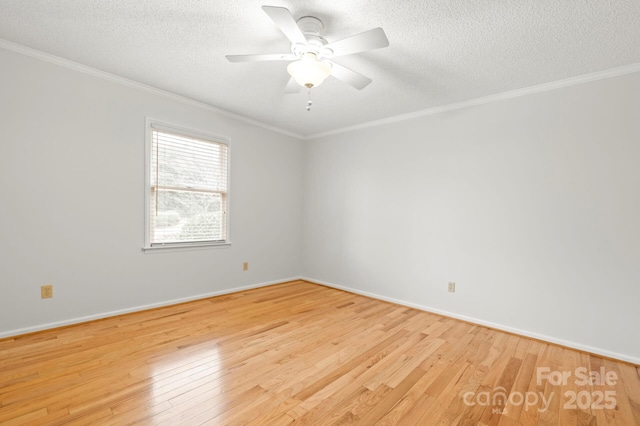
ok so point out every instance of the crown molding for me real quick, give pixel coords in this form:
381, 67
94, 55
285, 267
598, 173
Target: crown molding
573, 81
56, 60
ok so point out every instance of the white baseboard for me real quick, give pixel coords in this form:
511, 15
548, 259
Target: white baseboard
78, 320
545, 338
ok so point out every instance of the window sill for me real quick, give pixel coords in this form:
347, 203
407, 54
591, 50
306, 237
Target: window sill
184, 247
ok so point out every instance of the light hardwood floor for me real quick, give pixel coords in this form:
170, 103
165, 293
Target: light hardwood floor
299, 353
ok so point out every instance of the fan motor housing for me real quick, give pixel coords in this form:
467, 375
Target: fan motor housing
311, 28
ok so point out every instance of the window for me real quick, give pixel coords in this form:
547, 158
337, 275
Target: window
187, 188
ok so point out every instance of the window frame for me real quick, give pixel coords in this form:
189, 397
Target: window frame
152, 123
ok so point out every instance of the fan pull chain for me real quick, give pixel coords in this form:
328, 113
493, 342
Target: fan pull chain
309, 102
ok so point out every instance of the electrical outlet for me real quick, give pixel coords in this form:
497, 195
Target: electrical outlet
452, 287
46, 291
245, 266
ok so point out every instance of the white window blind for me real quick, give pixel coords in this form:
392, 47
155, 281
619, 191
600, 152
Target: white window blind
188, 189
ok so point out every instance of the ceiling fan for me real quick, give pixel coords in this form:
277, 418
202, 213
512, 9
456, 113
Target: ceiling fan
311, 53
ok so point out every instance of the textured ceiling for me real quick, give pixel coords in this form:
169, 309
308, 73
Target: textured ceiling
441, 51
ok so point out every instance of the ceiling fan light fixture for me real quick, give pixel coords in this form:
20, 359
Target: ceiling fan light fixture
308, 71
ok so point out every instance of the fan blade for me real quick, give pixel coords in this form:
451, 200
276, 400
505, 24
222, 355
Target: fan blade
350, 77
368, 40
257, 58
283, 19
292, 87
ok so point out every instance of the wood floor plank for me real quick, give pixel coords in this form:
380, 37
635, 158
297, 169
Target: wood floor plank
300, 353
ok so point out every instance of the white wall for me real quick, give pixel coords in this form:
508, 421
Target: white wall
72, 206
531, 205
